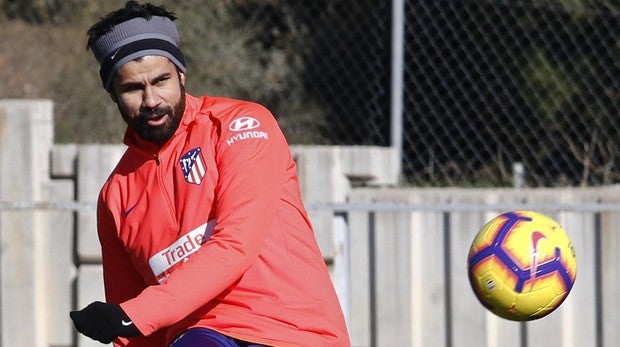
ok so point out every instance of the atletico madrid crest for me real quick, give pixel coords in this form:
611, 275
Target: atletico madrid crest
193, 166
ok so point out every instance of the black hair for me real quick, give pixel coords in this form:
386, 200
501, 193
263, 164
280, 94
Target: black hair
131, 10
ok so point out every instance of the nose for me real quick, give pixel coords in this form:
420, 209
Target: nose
150, 99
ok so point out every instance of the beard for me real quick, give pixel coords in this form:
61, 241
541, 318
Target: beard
157, 134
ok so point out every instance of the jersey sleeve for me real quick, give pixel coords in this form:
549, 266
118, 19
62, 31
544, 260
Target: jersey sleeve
121, 282
251, 173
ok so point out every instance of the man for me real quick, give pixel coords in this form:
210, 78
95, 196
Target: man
204, 237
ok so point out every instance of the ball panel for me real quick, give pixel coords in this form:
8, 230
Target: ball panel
486, 235
494, 283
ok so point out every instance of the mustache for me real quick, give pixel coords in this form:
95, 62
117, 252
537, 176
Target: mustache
146, 114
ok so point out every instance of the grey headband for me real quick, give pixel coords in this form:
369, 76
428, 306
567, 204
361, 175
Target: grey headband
133, 39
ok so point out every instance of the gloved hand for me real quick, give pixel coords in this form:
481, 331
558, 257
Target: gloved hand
103, 322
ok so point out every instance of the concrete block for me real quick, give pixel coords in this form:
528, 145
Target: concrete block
393, 259
89, 288
94, 165
321, 180
58, 269
88, 248
610, 274
375, 162
328, 173
381, 284
26, 135
63, 159
359, 296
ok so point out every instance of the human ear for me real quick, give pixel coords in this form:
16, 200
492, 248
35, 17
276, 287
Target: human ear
182, 78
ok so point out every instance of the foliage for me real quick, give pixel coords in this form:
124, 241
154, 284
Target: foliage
230, 51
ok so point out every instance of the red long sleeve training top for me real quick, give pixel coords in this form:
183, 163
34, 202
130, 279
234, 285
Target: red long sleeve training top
210, 231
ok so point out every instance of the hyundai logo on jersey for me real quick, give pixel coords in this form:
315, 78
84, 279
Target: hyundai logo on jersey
193, 166
242, 128
244, 123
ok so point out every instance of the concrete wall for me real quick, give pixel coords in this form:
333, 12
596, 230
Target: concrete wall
399, 271
25, 141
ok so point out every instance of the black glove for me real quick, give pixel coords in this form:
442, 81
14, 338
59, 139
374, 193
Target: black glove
103, 322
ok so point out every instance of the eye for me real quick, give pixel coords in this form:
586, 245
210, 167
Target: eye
131, 87
161, 80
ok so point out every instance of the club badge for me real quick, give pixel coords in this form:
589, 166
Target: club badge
193, 166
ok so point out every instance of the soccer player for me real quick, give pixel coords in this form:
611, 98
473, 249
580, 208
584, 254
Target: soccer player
205, 240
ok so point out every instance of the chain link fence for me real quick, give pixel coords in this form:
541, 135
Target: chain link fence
487, 85
494, 83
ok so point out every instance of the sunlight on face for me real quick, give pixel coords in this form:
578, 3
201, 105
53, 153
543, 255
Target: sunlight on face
150, 94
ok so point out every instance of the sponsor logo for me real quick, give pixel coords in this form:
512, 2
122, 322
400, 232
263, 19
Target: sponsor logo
161, 263
193, 166
114, 55
244, 123
247, 135
125, 323
243, 126
536, 237
130, 209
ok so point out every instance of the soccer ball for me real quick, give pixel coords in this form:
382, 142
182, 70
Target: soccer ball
521, 265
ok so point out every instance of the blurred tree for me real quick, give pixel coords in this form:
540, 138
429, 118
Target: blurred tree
487, 83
